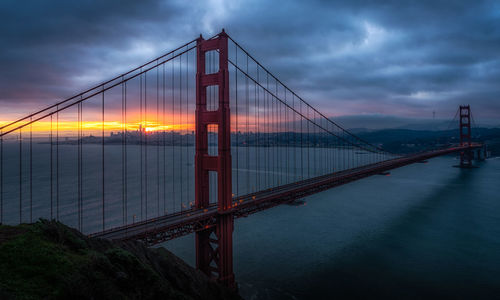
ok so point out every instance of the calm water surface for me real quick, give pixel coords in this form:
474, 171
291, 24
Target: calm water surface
427, 230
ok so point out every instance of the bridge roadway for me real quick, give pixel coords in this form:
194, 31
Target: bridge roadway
160, 229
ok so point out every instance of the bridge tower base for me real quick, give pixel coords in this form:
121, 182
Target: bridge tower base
214, 245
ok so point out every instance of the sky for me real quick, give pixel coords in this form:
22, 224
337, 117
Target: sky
361, 59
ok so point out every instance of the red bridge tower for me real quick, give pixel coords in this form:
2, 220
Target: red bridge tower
465, 136
214, 245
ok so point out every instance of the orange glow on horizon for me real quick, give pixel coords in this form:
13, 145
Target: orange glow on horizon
96, 126
178, 123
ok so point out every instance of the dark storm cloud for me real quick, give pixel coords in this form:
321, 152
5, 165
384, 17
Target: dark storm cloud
351, 57
396, 57
46, 45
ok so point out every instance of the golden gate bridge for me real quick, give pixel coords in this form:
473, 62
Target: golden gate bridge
185, 143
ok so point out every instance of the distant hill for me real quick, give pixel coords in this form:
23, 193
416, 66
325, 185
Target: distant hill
408, 140
358, 123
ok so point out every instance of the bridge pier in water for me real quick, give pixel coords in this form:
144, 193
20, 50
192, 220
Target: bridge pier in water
214, 246
481, 154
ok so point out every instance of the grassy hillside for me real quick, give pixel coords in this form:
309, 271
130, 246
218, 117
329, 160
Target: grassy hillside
47, 260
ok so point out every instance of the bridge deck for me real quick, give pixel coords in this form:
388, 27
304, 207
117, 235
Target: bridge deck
170, 226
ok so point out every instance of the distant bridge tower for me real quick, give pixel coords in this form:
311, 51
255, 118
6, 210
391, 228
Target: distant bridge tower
214, 245
465, 136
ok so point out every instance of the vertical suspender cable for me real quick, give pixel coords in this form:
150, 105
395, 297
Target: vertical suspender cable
31, 171
80, 167
188, 184
51, 173
78, 137
301, 144
348, 145
125, 188
163, 127
124, 216
141, 146
308, 145
157, 133
269, 131
247, 135
146, 189
1, 177
186, 71
266, 119
57, 164
180, 132
277, 131
279, 148
258, 162
314, 147
20, 175
333, 154
343, 151
237, 117
287, 129
172, 135
256, 136
102, 159
294, 116
353, 153
279, 152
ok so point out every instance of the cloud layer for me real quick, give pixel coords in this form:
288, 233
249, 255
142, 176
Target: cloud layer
403, 58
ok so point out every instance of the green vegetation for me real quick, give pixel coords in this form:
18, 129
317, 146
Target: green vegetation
47, 260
